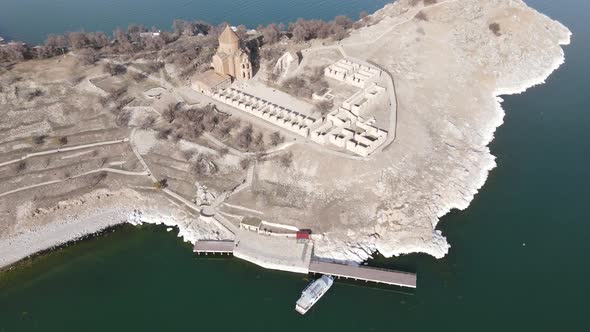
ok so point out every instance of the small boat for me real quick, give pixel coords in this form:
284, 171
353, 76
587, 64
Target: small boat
312, 293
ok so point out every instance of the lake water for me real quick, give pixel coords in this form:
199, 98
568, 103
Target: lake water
518, 260
32, 20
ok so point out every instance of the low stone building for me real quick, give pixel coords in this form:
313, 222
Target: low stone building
293, 121
251, 224
290, 60
209, 81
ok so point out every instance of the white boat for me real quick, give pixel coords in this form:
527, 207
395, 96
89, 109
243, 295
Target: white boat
312, 293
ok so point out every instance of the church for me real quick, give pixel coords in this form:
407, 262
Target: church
230, 63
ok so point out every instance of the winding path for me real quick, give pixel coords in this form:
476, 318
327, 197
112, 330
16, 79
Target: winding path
59, 150
108, 170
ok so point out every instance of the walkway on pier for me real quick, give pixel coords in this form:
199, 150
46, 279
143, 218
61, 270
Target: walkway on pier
382, 276
214, 247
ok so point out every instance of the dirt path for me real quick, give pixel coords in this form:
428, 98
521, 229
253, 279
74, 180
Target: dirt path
59, 150
108, 170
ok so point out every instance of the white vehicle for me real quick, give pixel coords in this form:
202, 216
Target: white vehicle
312, 293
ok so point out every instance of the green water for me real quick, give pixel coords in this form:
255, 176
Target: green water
147, 280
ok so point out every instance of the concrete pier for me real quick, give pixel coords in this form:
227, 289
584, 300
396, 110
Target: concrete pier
292, 256
214, 247
381, 276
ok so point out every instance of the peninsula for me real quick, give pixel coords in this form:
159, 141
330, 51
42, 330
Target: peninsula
317, 142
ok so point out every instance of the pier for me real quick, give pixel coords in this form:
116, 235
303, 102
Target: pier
381, 276
287, 255
214, 247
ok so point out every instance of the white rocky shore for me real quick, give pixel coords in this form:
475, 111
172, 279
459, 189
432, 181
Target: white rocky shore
75, 219
525, 54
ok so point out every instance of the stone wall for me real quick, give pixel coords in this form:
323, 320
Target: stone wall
263, 109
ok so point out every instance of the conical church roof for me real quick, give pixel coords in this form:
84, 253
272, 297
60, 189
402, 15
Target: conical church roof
228, 36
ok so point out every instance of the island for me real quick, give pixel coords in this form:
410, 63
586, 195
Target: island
292, 147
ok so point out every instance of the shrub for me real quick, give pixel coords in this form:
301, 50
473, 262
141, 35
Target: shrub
161, 184
287, 160
245, 136
114, 69
169, 113
138, 77
34, 94
38, 140
21, 166
223, 152
276, 138
123, 118
270, 34
495, 28
244, 163
118, 93
87, 56
163, 133
148, 122
421, 16
98, 178
297, 86
63, 140
259, 141
202, 166
323, 107
154, 66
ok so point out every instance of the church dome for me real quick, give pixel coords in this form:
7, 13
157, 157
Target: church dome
229, 37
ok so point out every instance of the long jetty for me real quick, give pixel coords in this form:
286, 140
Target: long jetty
363, 273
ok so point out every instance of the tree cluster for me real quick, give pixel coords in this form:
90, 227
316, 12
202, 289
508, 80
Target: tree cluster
305, 85
337, 29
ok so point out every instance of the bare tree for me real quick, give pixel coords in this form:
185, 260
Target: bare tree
300, 34
244, 163
114, 69
343, 21
163, 133
323, 107
287, 159
271, 33
245, 136
148, 122
123, 118
78, 40
14, 52
169, 113
87, 56
259, 141
276, 138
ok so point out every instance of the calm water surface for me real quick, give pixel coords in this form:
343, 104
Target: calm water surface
32, 20
518, 260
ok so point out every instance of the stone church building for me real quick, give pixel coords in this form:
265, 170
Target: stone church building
230, 58
230, 63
